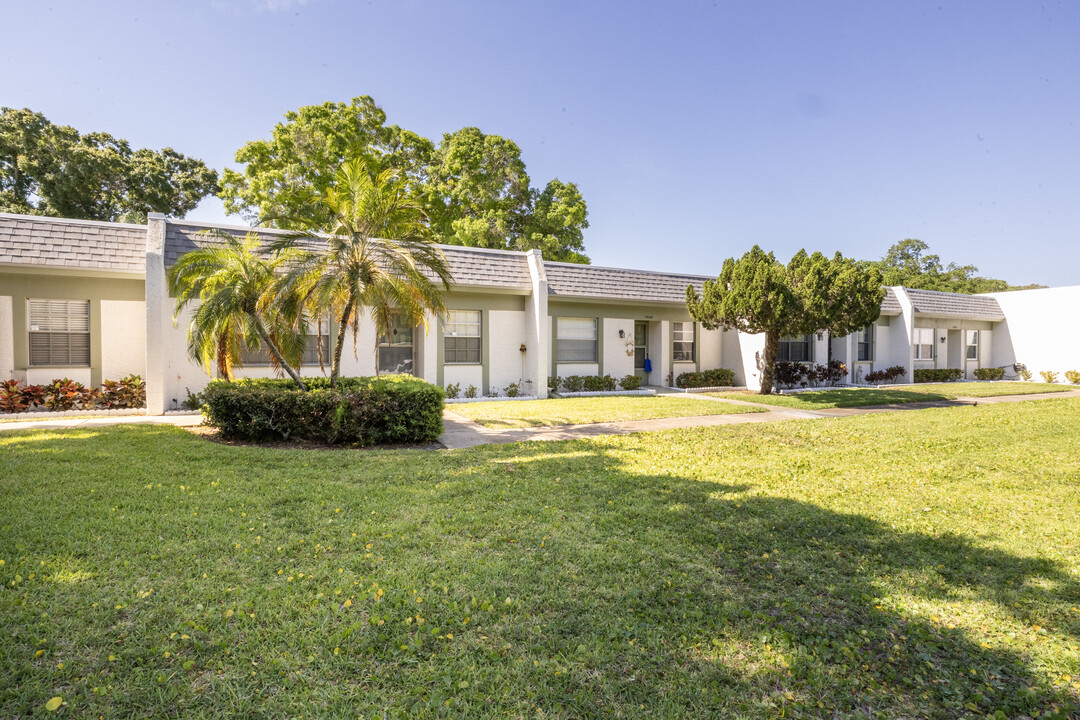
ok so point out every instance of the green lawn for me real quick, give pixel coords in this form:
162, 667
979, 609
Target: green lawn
859, 397
576, 411
991, 389
888, 566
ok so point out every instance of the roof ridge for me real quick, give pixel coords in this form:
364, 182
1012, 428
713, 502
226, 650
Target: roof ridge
70, 221
633, 270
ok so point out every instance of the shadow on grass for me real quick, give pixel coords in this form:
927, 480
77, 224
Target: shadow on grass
740, 602
635, 592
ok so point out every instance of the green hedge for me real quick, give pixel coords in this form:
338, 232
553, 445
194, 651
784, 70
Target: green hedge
931, 375
364, 410
990, 373
718, 377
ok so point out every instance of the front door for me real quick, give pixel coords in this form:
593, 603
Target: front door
396, 348
641, 348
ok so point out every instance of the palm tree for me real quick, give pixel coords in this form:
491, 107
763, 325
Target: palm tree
379, 256
240, 304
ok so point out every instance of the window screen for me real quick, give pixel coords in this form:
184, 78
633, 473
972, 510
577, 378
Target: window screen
576, 340
59, 332
461, 338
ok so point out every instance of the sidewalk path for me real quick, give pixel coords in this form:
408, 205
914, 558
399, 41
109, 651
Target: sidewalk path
61, 423
460, 432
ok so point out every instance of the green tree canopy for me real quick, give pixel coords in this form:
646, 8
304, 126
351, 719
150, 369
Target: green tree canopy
472, 187
812, 293
48, 169
910, 264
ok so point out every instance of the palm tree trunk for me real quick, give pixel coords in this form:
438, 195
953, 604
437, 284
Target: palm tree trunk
768, 368
265, 337
339, 344
223, 365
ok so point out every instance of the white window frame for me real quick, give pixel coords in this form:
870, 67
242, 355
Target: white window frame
919, 341
58, 322
865, 337
971, 342
678, 337
261, 358
567, 332
463, 325
789, 340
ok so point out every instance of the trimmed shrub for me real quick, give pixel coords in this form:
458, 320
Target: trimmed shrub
1073, 376
470, 392
1049, 376
1024, 374
989, 373
453, 390
512, 390
630, 382
574, 383
363, 411
931, 375
593, 383
554, 381
717, 377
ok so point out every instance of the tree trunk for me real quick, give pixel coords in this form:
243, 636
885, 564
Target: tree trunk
768, 365
224, 367
265, 337
339, 344
828, 355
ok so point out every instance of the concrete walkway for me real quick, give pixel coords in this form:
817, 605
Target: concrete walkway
62, 423
460, 432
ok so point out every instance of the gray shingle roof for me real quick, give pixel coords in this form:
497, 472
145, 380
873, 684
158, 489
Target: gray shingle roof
63, 243
890, 305
931, 302
586, 281
470, 267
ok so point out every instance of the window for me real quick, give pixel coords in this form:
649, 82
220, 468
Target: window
795, 348
865, 340
396, 347
59, 332
461, 338
575, 340
972, 344
683, 341
924, 343
320, 333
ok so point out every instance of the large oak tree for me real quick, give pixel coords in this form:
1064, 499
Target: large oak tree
472, 187
48, 169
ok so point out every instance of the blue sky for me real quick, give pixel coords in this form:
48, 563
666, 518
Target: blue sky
694, 129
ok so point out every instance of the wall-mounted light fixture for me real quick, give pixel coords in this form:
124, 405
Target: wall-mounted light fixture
522, 348
622, 333
942, 338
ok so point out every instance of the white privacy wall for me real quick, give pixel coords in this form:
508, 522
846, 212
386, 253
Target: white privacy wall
1040, 330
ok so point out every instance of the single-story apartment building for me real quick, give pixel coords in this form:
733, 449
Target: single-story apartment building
88, 300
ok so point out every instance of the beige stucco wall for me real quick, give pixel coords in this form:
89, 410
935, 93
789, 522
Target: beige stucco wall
123, 329
7, 339
99, 289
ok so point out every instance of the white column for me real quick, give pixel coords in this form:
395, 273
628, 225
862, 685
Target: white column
907, 314
537, 329
157, 298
